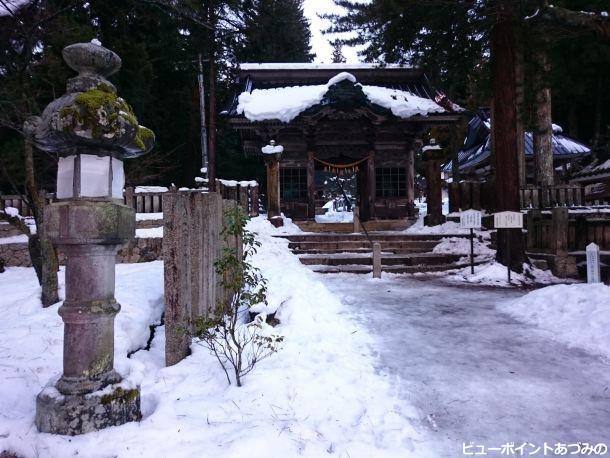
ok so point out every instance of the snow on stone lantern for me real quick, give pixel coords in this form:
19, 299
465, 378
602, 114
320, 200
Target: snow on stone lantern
92, 130
433, 156
272, 155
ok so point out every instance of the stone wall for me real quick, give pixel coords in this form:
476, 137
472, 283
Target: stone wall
138, 250
15, 255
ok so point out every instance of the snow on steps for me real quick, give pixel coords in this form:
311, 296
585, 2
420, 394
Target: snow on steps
351, 253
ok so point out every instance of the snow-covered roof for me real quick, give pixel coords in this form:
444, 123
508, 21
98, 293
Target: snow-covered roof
286, 103
314, 66
477, 145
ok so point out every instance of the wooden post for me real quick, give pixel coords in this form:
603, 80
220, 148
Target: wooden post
356, 220
254, 201
376, 260
411, 181
434, 194
273, 190
175, 228
243, 198
311, 186
129, 197
371, 185
563, 265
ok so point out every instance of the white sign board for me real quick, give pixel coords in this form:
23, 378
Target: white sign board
470, 219
593, 273
508, 220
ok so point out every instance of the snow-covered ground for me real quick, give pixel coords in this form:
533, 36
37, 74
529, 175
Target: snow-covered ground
479, 377
319, 395
578, 314
335, 217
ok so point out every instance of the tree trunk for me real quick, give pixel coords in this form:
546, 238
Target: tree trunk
504, 124
42, 251
520, 88
543, 130
597, 113
212, 123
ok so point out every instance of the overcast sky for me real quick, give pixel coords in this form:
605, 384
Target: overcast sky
319, 42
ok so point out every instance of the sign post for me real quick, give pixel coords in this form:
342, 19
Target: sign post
471, 219
508, 220
593, 270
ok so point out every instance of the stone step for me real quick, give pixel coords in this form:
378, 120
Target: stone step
374, 236
345, 245
367, 250
397, 269
413, 259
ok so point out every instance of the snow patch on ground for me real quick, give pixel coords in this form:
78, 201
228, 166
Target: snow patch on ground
335, 217
321, 394
21, 238
578, 315
495, 274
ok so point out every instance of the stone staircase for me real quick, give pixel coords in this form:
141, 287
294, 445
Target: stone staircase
352, 253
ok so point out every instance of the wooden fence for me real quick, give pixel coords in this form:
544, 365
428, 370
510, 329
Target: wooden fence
192, 242
481, 195
579, 229
151, 201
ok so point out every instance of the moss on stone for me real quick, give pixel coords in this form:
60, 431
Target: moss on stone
143, 135
120, 395
100, 112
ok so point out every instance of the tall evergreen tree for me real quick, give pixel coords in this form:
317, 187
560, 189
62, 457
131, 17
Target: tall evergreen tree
337, 56
276, 31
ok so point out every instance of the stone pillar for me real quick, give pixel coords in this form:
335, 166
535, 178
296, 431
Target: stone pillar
89, 222
433, 156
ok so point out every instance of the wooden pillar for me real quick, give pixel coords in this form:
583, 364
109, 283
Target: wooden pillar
371, 187
434, 190
273, 190
411, 182
311, 185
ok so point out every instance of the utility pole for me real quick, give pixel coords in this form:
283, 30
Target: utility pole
204, 132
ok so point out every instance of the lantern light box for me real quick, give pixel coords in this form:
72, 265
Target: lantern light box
89, 175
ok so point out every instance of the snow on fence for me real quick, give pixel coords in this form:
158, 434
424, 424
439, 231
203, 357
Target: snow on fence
579, 229
245, 193
16, 201
149, 199
192, 242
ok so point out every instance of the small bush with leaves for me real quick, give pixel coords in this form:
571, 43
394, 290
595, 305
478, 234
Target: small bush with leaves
238, 345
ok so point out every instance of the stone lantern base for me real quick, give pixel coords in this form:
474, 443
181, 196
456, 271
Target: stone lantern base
79, 414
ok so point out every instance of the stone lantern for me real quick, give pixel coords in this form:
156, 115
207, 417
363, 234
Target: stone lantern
272, 155
433, 156
92, 130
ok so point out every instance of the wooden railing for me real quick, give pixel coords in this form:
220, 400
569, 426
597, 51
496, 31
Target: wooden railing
245, 193
565, 195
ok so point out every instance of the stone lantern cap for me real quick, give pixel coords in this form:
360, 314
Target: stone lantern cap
90, 118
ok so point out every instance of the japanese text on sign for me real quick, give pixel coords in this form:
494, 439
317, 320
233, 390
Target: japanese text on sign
507, 220
470, 219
